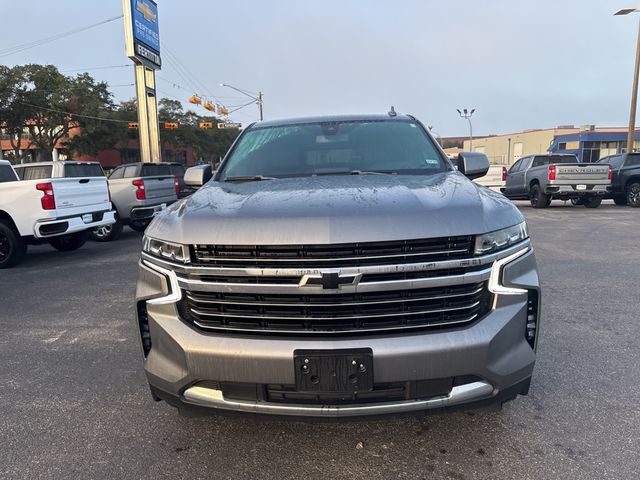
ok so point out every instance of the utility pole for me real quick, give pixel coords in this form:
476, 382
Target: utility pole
467, 114
634, 91
256, 97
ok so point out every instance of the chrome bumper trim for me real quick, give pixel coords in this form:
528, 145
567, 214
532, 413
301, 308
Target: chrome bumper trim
208, 397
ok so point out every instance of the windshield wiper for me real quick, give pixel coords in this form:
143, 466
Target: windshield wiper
356, 172
248, 178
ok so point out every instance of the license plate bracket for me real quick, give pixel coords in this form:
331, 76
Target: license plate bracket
334, 371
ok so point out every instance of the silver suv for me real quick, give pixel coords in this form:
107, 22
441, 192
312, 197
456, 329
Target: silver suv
334, 267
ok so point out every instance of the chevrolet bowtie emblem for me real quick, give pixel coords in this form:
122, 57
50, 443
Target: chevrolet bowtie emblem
146, 11
330, 280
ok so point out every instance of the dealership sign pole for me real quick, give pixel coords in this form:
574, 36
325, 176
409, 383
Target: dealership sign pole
142, 40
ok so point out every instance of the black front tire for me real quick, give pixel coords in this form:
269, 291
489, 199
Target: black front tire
538, 198
107, 233
592, 202
70, 242
633, 195
139, 225
620, 201
12, 247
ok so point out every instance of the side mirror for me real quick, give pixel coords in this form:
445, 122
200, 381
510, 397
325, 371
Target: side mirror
472, 164
197, 176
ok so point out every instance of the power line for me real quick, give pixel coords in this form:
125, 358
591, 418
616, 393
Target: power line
26, 46
95, 68
74, 114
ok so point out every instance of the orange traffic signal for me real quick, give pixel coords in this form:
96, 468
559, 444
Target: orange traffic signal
132, 125
196, 100
171, 125
209, 106
205, 125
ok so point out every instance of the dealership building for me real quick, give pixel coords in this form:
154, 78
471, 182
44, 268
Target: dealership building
589, 143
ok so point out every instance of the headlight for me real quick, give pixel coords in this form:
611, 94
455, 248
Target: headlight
166, 250
501, 239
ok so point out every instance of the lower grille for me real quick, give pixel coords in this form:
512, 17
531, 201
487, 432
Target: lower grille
370, 312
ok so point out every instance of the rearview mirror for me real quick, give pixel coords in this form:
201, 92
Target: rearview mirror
197, 176
472, 164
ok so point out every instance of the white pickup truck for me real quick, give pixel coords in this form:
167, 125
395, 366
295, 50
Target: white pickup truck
60, 211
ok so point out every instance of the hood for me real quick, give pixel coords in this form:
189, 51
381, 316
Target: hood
335, 209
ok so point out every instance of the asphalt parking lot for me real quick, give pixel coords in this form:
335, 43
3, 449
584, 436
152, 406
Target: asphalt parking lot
74, 401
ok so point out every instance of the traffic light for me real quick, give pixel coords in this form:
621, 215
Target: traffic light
132, 125
196, 100
205, 125
209, 106
171, 125
222, 110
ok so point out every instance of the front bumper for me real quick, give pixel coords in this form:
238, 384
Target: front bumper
187, 365
77, 223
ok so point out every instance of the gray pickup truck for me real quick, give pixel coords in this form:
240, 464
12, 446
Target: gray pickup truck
139, 191
338, 266
545, 177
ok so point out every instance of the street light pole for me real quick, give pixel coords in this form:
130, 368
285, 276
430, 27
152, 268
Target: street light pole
467, 114
634, 91
257, 99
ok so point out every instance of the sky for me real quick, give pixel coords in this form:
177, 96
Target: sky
522, 64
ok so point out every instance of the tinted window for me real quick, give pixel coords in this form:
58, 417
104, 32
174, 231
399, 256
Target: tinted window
615, 161
34, 173
117, 173
517, 166
632, 160
154, 169
327, 148
130, 171
6, 174
82, 170
539, 160
177, 170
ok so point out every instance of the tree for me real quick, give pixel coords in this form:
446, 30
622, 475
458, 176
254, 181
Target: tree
14, 113
59, 111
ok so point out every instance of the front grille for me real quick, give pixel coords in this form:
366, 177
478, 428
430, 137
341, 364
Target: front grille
398, 310
331, 256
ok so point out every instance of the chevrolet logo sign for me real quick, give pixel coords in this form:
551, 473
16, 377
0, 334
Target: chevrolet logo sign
330, 280
144, 8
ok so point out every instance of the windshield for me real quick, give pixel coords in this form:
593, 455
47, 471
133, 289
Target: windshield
330, 148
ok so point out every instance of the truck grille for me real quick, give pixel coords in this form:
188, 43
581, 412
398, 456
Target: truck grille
338, 255
334, 313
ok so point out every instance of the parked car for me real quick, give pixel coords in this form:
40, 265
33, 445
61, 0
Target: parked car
494, 179
625, 181
178, 170
58, 169
58, 210
545, 177
338, 266
139, 191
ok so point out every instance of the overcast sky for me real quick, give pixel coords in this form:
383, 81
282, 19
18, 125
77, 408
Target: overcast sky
522, 64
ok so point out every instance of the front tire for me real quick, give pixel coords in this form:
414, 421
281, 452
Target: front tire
538, 198
70, 242
12, 247
633, 195
106, 233
592, 202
